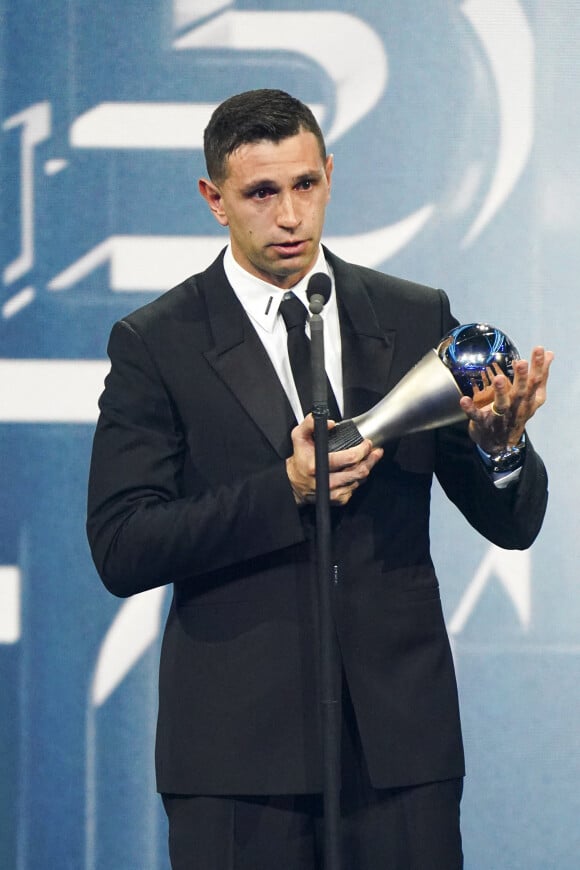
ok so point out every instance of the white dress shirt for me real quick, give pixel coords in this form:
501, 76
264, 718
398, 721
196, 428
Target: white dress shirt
261, 302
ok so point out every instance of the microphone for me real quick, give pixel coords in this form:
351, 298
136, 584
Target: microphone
318, 291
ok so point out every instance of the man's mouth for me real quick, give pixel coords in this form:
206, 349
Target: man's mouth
290, 248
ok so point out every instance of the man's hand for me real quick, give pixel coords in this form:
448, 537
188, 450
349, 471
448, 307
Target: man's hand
348, 468
499, 421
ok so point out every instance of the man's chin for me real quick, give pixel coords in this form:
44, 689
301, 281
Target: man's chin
292, 268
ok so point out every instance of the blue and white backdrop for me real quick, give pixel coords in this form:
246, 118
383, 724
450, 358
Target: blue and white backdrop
456, 134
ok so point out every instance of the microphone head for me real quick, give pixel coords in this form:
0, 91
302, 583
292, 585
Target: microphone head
319, 285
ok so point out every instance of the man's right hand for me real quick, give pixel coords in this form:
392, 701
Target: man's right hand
348, 468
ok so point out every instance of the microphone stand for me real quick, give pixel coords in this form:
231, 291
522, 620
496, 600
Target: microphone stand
330, 672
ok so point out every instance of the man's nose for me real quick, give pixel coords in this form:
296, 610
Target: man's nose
287, 215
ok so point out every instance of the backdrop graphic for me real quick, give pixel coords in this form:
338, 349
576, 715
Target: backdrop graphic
456, 140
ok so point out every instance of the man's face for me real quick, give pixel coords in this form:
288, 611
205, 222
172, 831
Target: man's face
273, 200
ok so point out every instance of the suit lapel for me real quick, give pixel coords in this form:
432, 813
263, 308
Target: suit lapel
239, 358
367, 348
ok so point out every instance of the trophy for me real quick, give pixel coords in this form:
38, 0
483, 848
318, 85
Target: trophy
463, 364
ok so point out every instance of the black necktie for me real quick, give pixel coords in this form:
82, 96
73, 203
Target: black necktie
294, 315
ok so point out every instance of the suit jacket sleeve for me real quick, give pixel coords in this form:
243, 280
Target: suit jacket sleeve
510, 518
143, 528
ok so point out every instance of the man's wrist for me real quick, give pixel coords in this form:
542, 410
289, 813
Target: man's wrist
299, 496
506, 460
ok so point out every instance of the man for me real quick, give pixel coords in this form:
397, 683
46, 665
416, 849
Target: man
203, 476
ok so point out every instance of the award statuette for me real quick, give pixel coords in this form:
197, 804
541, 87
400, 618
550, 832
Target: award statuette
428, 396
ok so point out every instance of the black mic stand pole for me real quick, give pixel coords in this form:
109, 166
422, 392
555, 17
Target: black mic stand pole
330, 671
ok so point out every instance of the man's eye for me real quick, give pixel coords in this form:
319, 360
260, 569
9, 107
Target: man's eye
262, 193
306, 184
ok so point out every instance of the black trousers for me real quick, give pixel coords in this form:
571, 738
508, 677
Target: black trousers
412, 828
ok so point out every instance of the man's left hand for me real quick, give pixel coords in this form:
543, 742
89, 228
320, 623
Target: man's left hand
499, 422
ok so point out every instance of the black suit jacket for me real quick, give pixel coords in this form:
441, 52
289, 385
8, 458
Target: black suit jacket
188, 486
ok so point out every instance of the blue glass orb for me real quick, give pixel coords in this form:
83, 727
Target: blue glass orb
474, 352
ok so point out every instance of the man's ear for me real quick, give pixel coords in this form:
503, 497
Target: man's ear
213, 197
328, 170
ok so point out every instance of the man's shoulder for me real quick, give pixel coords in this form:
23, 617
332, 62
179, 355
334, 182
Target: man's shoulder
383, 286
184, 302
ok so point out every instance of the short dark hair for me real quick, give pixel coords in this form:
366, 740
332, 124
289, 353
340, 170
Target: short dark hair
251, 117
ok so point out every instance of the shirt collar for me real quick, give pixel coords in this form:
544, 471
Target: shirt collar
262, 300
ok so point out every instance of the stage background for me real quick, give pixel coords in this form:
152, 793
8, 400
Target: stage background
456, 134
